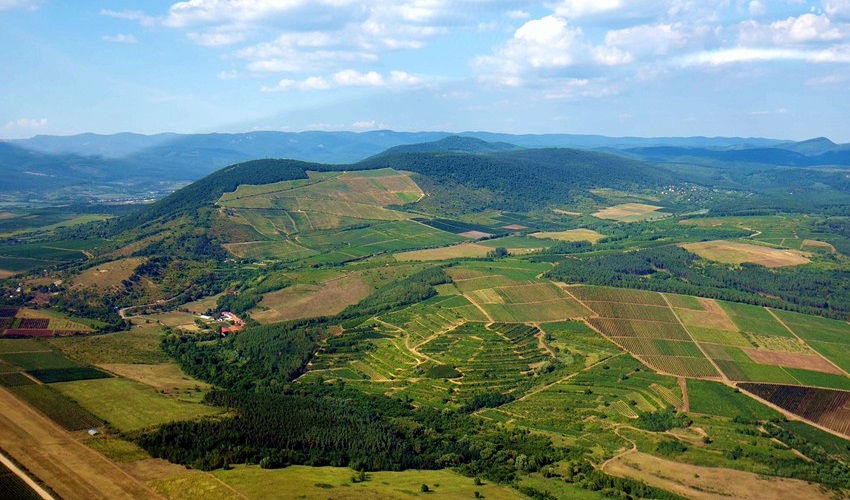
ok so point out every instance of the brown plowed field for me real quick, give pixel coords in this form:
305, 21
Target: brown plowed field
792, 360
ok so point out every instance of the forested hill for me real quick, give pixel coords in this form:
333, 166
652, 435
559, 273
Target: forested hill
452, 144
526, 179
511, 180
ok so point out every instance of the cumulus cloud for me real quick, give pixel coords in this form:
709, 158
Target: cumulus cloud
807, 28
120, 38
25, 124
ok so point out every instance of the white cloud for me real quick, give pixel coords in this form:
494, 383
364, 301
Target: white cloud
517, 14
347, 78
403, 78
546, 42
721, 57
228, 75
837, 9
757, 8
580, 8
218, 37
20, 4
353, 78
365, 124
657, 39
193, 12
807, 28
120, 38
130, 15
24, 124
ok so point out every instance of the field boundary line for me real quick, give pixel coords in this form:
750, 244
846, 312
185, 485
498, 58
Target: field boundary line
777, 318
710, 360
571, 375
64, 434
479, 307
25, 477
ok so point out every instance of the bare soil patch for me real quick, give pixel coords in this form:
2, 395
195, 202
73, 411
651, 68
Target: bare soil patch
309, 301
710, 482
6, 274
733, 252
792, 360
475, 235
514, 227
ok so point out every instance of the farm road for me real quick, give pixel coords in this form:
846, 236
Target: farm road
71, 469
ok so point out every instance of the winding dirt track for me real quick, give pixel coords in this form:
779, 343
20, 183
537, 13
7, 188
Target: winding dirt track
71, 469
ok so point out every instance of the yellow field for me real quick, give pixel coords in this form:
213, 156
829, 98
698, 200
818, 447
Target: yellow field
321, 483
630, 212
109, 275
463, 250
571, 235
732, 252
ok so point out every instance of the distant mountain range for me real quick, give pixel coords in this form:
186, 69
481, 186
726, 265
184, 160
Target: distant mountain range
92, 167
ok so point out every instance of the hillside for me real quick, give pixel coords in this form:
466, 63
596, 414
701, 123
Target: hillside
516, 321
123, 167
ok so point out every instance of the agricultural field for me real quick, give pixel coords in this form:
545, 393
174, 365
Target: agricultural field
787, 231
165, 378
57, 407
129, 405
631, 212
627, 381
585, 406
139, 345
828, 408
23, 323
459, 251
319, 483
571, 235
734, 252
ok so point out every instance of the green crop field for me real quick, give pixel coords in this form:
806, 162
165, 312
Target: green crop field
320, 483
57, 407
128, 405
714, 398
39, 360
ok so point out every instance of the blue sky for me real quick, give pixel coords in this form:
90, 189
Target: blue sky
778, 68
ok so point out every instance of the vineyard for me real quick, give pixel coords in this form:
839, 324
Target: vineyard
825, 407
57, 407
